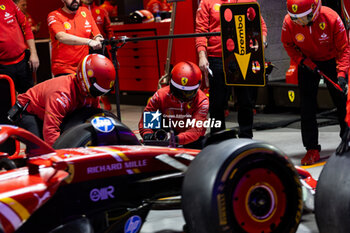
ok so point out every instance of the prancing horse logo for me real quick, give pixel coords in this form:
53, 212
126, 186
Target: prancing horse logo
295, 8
291, 95
184, 81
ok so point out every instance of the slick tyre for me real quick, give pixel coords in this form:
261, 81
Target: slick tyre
241, 185
332, 199
83, 115
78, 136
7, 164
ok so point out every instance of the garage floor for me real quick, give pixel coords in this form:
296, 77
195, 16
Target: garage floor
287, 138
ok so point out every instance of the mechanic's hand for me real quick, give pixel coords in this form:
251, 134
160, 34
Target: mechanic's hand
148, 136
343, 84
203, 66
34, 62
95, 44
306, 62
344, 145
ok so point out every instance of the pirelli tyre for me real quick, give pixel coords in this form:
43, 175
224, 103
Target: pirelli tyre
332, 199
84, 115
241, 185
77, 136
101, 131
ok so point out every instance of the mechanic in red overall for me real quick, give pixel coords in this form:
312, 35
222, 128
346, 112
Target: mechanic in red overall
43, 107
314, 35
100, 16
16, 37
22, 5
210, 56
72, 31
182, 100
111, 7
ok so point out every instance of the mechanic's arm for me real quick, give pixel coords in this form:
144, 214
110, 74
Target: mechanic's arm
202, 26
29, 37
192, 134
288, 44
33, 59
342, 47
55, 111
69, 39
153, 105
264, 31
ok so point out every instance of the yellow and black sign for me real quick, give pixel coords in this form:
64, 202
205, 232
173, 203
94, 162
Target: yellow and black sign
242, 45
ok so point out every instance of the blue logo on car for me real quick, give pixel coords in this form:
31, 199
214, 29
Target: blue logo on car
133, 224
103, 124
152, 120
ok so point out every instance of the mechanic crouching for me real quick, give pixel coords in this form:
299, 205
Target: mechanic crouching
181, 108
43, 107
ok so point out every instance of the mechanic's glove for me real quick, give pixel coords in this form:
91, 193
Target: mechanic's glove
306, 62
344, 145
343, 84
148, 136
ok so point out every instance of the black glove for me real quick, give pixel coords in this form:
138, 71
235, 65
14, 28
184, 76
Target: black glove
343, 84
148, 136
344, 145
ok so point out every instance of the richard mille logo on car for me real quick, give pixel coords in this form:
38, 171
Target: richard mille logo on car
116, 166
102, 194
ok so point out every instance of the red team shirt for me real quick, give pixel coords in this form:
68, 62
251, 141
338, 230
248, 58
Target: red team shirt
208, 20
102, 19
52, 100
15, 30
323, 40
170, 106
66, 58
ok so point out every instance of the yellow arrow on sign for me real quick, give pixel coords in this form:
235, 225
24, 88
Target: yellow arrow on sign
243, 58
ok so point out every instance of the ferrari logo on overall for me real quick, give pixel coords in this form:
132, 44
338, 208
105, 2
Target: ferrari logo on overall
2, 7
295, 8
323, 25
184, 81
291, 95
83, 14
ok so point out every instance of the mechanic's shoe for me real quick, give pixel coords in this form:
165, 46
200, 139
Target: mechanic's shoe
311, 157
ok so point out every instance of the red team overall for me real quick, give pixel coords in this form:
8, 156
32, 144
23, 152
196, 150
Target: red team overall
314, 36
50, 101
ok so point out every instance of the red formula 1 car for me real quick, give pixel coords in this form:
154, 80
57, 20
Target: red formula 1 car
235, 185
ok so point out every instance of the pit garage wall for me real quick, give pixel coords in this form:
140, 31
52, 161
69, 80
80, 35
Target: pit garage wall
273, 12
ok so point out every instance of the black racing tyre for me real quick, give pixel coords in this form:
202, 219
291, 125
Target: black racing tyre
241, 185
7, 164
84, 115
78, 136
332, 199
